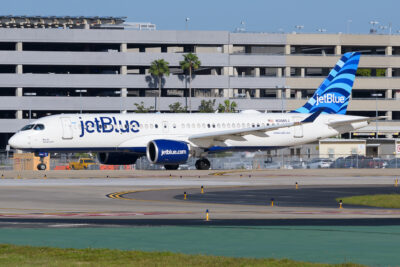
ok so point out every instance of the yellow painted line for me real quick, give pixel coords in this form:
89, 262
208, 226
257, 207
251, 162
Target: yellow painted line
120, 195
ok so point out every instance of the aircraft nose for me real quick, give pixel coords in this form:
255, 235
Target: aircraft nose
18, 141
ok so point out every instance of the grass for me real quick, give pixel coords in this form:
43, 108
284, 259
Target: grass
11, 255
382, 201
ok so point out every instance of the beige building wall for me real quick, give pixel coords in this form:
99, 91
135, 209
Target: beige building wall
341, 148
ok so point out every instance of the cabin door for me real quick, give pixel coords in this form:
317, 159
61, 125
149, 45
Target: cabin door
298, 130
66, 128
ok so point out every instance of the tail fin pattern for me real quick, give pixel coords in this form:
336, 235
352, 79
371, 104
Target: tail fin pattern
334, 93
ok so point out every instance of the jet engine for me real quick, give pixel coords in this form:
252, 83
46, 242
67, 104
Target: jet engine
166, 152
117, 158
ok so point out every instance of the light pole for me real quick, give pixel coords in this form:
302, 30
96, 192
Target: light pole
373, 24
30, 110
187, 23
118, 92
243, 29
80, 91
348, 25
299, 27
376, 111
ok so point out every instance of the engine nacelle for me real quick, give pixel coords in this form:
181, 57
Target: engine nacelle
117, 158
163, 151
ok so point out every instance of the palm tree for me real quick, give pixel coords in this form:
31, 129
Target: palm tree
190, 62
159, 68
227, 107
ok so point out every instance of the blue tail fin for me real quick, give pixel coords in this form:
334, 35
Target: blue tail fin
334, 92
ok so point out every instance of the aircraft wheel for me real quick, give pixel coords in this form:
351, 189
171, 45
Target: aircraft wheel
41, 166
203, 164
171, 167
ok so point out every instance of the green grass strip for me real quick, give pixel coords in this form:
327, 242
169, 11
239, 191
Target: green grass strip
11, 255
382, 201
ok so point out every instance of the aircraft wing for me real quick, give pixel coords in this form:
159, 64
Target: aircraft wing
347, 122
257, 131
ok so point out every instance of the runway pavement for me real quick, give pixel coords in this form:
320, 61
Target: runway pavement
158, 194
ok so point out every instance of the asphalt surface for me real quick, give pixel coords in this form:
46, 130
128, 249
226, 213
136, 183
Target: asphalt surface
308, 196
240, 195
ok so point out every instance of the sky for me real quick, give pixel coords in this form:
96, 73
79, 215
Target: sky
344, 16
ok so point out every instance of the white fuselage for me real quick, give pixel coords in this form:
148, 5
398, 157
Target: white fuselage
132, 132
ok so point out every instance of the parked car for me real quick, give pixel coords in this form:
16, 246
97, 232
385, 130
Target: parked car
295, 164
272, 165
319, 163
338, 163
393, 163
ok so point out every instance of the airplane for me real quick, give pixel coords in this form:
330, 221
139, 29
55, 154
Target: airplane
170, 139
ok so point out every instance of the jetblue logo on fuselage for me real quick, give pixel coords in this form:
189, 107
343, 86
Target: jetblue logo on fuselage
330, 99
173, 152
108, 125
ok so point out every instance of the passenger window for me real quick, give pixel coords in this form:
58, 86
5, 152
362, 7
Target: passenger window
187, 125
156, 125
223, 125
174, 125
213, 125
204, 125
208, 125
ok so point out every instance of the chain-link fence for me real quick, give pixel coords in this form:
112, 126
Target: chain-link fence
224, 161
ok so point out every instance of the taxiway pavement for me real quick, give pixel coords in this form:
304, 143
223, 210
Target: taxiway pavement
157, 194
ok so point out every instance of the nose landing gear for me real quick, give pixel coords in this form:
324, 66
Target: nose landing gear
41, 166
203, 164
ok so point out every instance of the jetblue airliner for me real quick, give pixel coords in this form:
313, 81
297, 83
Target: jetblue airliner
170, 139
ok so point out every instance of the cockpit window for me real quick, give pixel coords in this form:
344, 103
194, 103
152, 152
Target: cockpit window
27, 127
38, 127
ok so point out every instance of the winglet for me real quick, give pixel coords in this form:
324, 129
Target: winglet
312, 117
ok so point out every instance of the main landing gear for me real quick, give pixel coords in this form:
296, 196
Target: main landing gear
203, 164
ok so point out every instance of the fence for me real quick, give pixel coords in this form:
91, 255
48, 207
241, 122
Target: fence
239, 160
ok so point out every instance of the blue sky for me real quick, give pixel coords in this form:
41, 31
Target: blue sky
257, 15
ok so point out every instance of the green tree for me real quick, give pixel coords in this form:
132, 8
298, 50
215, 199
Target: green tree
207, 106
227, 107
364, 72
177, 108
190, 62
159, 68
380, 72
140, 108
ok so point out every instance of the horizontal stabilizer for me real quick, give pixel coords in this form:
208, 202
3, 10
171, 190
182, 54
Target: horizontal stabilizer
347, 122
